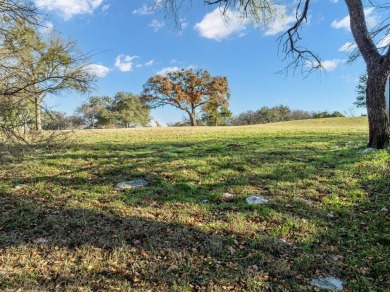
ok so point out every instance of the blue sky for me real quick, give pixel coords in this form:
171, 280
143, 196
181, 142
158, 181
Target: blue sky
131, 42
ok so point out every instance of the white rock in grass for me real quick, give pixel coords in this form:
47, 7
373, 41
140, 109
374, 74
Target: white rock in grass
256, 200
130, 184
41, 240
227, 196
330, 283
20, 186
367, 150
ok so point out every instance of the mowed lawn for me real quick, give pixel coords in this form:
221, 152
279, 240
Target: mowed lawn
327, 215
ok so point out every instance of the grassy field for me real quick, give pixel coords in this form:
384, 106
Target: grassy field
328, 214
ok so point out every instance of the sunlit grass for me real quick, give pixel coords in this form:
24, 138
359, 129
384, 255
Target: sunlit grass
327, 213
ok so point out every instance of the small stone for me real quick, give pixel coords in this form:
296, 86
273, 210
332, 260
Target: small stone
130, 184
384, 209
56, 212
330, 215
204, 201
330, 283
227, 196
367, 150
256, 200
41, 240
20, 186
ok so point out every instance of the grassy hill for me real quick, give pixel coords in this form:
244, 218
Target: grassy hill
327, 214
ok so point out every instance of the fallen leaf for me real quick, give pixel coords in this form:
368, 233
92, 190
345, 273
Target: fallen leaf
144, 254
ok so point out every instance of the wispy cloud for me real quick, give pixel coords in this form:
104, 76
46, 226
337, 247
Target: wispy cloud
69, 8
166, 70
124, 63
105, 7
384, 42
183, 23
149, 63
144, 10
348, 47
328, 65
213, 26
98, 70
157, 25
371, 20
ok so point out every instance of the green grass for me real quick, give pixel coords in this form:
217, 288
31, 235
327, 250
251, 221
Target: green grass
327, 215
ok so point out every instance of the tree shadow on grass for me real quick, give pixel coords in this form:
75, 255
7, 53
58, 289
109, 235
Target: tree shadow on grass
77, 247
103, 246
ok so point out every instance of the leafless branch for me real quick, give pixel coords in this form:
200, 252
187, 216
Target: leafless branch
300, 58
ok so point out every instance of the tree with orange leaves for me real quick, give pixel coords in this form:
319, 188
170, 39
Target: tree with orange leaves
188, 91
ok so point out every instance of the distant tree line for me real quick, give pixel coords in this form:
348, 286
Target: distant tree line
275, 114
265, 115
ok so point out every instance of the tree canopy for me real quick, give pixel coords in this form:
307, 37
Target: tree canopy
123, 110
189, 91
361, 91
45, 65
33, 65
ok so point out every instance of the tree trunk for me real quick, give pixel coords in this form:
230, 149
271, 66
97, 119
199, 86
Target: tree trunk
192, 115
38, 120
378, 69
376, 108
193, 119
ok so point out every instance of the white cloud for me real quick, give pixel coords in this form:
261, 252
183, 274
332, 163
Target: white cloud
46, 28
98, 70
348, 47
174, 61
334, 1
213, 26
344, 23
69, 8
384, 42
149, 63
330, 65
166, 70
124, 63
280, 21
157, 25
144, 10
